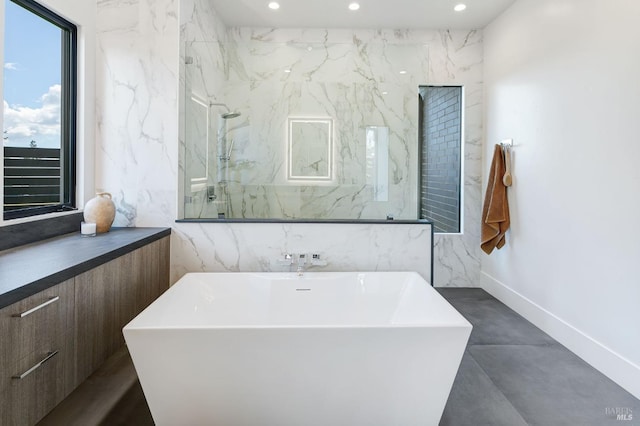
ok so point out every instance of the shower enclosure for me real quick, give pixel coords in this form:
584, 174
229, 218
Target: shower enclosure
285, 130
209, 125
208, 148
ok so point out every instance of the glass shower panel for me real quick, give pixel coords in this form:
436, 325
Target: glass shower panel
204, 127
256, 165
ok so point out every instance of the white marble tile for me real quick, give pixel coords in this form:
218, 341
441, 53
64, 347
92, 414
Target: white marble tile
460, 62
140, 56
219, 247
456, 264
318, 86
136, 140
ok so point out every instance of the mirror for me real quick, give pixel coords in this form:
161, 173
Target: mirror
310, 149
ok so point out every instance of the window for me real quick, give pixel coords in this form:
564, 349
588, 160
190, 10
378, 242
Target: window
441, 156
39, 110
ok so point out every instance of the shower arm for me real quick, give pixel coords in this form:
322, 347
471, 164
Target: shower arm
220, 104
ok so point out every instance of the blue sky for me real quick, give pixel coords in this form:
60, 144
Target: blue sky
31, 85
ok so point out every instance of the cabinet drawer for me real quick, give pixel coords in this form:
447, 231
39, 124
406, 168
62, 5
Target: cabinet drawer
40, 381
33, 327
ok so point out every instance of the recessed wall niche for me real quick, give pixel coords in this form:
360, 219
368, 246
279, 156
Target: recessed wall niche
310, 150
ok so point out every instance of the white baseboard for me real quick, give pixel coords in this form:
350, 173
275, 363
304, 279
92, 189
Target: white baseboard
617, 368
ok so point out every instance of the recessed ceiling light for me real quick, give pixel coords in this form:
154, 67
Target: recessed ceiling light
460, 7
287, 70
403, 72
354, 6
385, 93
274, 5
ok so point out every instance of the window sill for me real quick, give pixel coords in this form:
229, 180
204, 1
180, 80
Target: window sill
26, 230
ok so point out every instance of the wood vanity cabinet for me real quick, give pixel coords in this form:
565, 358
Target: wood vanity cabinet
38, 328
73, 327
111, 295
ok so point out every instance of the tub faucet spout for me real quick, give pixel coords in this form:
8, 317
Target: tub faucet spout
302, 260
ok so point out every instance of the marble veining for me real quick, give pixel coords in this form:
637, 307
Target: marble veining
140, 151
136, 115
230, 247
370, 92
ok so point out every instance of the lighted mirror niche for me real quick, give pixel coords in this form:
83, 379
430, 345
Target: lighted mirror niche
304, 124
310, 150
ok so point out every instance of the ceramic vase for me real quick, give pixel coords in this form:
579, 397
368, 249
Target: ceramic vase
100, 210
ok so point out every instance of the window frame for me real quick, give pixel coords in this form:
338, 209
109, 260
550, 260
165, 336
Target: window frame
68, 113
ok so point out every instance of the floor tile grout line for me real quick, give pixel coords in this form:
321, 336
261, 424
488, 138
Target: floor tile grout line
495, 385
540, 345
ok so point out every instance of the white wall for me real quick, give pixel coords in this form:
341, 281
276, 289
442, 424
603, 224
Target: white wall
83, 14
562, 80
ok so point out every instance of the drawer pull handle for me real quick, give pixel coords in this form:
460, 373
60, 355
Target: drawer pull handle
35, 367
32, 310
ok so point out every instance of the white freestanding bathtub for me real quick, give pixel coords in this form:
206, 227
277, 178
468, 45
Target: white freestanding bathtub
327, 349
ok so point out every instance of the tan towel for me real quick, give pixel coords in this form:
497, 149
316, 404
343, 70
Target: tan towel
495, 213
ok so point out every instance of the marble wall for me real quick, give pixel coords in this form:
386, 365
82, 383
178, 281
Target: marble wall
458, 59
352, 77
136, 109
253, 247
356, 79
138, 144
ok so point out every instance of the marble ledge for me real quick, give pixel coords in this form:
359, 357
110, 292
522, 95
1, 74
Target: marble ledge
32, 268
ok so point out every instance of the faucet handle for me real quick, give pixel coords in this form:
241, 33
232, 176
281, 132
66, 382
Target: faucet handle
316, 261
287, 260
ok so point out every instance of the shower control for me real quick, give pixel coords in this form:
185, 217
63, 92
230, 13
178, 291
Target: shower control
211, 193
286, 260
316, 261
301, 260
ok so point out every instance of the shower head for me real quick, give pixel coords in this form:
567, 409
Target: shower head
227, 115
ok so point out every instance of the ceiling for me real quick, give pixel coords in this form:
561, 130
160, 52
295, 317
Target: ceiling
373, 14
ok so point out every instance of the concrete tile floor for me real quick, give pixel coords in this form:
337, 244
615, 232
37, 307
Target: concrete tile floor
514, 374
132, 410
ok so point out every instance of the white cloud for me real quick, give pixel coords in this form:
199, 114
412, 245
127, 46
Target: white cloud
10, 66
24, 124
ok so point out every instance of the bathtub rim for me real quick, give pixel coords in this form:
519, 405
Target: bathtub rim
460, 321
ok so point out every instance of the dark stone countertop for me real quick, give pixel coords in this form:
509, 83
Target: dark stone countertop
32, 268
